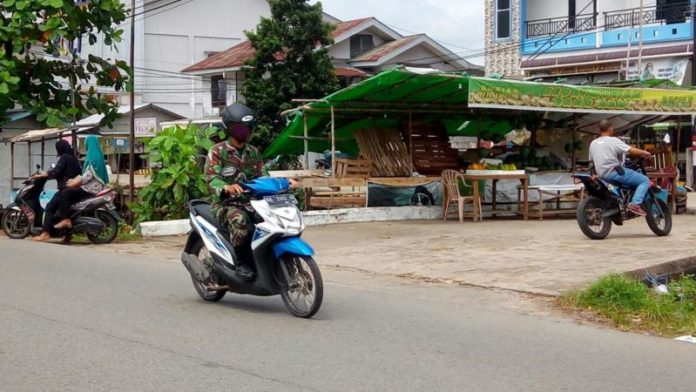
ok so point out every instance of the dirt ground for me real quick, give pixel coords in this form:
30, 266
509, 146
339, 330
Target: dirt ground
535, 257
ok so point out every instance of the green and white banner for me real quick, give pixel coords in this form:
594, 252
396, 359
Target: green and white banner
547, 97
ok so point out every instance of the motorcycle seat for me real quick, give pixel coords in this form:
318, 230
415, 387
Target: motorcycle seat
205, 210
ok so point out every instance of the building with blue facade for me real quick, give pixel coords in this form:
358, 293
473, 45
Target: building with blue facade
590, 41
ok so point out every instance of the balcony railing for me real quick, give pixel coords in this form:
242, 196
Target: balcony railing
669, 14
553, 26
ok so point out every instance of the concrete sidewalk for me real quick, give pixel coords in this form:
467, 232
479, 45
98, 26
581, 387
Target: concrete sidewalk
546, 257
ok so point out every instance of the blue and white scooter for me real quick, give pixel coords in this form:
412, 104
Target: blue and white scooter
282, 260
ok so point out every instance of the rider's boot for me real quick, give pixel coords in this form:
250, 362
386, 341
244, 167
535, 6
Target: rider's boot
244, 261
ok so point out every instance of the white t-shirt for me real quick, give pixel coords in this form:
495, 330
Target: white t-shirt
607, 153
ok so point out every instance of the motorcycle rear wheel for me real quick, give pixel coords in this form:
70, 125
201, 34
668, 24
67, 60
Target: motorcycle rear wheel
590, 219
16, 224
659, 218
304, 293
202, 253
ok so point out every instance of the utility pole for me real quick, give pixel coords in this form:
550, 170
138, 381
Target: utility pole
630, 38
131, 140
692, 9
640, 42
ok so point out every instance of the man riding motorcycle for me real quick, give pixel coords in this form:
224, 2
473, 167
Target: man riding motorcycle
608, 155
228, 165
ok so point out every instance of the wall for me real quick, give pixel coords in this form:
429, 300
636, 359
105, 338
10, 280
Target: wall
21, 159
341, 50
174, 37
186, 35
503, 57
544, 9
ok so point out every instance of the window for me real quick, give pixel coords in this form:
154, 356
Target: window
218, 91
502, 19
361, 43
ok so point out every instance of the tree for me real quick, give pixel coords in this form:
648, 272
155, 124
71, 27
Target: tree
31, 77
291, 61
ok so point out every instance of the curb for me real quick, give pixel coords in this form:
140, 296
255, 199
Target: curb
313, 218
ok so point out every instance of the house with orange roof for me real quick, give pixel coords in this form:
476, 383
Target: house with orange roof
362, 47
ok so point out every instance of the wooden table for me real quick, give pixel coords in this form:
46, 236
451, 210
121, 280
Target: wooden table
523, 178
672, 191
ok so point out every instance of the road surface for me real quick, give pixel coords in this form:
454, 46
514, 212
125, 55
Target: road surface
78, 319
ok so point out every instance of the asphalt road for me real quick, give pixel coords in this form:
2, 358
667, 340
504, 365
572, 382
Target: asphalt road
77, 319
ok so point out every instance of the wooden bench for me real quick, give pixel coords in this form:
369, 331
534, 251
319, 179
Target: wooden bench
350, 173
554, 195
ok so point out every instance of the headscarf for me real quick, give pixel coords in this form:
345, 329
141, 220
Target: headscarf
95, 160
63, 147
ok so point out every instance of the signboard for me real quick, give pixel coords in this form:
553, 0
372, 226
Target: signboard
463, 142
673, 69
579, 69
145, 127
506, 94
119, 143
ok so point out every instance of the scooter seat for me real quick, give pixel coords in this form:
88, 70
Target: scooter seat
205, 210
104, 192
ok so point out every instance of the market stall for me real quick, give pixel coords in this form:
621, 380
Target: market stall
413, 124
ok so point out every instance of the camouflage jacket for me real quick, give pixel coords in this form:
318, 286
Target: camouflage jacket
226, 166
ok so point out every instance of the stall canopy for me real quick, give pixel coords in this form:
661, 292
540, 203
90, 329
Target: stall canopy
385, 99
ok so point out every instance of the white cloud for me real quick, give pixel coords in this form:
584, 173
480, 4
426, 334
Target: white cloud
457, 24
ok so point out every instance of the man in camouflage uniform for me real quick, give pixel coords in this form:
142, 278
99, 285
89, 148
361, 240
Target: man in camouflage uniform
229, 164
226, 168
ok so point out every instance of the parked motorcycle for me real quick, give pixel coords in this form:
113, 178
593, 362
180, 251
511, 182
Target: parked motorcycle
282, 260
608, 203
95, 217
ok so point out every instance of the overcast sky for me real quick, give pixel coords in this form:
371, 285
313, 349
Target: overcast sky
457, 24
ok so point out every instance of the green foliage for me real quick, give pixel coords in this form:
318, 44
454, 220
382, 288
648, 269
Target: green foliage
32, 78
179, 153
633, 305
287, 63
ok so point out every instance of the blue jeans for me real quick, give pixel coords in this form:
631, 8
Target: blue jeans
633, 179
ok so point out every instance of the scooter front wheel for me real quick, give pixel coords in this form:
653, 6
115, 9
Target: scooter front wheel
303, 294
16, 224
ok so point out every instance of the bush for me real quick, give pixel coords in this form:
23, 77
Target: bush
178, 154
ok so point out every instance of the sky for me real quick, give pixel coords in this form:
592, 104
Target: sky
457, 24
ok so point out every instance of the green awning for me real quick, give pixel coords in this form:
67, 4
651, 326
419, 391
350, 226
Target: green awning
384, 100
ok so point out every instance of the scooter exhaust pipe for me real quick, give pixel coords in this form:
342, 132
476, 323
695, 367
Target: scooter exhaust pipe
195, 268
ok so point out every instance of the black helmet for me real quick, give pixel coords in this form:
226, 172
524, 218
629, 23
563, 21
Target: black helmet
239, 114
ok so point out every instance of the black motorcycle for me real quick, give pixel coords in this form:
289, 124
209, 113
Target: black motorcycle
608, 203
95, 217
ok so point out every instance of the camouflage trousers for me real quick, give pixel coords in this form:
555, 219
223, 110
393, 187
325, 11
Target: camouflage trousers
238, 222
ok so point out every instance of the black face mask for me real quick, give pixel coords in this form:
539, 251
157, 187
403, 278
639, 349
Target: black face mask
239, 132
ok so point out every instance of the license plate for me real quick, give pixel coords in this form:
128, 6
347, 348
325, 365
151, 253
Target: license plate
280, 200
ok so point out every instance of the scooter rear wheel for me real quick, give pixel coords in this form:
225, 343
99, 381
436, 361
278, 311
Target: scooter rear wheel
110, 231
304, 293
16, 224
202, 253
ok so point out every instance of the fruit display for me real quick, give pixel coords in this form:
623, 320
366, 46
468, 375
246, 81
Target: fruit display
501, 167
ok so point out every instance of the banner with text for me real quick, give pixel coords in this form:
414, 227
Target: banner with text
505, 94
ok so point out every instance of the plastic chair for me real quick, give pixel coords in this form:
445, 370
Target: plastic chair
458, 190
